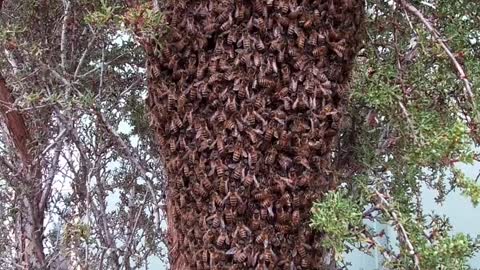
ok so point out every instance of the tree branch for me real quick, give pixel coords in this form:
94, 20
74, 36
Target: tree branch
461, 73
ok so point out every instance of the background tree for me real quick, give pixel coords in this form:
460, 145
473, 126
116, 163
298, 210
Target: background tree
79, 188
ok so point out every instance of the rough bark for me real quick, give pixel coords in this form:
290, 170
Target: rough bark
30, 215
247, 99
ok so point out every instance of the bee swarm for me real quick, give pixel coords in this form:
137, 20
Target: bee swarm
247, 98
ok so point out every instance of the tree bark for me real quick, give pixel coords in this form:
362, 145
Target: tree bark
247, 100
30, 215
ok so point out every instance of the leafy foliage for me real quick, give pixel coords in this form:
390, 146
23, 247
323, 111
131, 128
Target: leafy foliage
412, 124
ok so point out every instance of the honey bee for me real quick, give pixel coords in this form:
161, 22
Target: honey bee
259, 102
282, 216
237, 153
258, 7
271, 157
244, 231
243, 93
199, 190
282, 6
268, 255
261, 238
204, 256
238, 172
292, 28
221, 239
247, 43
232, 37
220, 167
248, 180
305, 263
206, 183
231, 104
223, 185
229, 124
301, 40
240, 256
260, 45
234, 198
229, 215
296, 217
171, 100
226, 25
256, 220
319, 51
264, 82
263, 213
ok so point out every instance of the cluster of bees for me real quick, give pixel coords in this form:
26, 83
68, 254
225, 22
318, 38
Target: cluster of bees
247, 100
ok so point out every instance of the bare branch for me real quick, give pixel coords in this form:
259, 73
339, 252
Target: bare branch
461, 73
63, 38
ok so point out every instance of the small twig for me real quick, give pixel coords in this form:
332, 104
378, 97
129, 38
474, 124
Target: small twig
461, 73
402, 230
63, 38
82, 58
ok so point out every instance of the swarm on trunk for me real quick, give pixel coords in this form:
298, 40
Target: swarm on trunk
247, 99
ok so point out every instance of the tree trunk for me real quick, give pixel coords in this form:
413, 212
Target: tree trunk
247, 100
29, 193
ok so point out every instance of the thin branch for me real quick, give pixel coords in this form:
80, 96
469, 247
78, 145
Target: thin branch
63, 38
461, 73
84, 54
402, 230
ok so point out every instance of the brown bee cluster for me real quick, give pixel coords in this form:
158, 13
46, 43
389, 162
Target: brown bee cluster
247, 99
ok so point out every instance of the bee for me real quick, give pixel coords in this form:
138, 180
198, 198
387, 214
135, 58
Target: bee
244, 231
266, 82
247, 43
271, 157
222, 185
256, 220
301, 250
281, 56
172, 145
301, 40
264, 213
300, 64
259, 102
229, 124
238, 172
285, 200
243, 93
305, 263
268, 255
220, 168
282, 215
234, 198
206, 183
261, 238
173, 128
319, 51
258, 7
282, 6
246, 59
240, 13
296, 202
252, 157
204, 256
229, 215
296, 217
231, 104
199, 190
226, 25
292, 29
260, 45
248, 180
260, 23
284, 229
221, 239
232, 37
240, 256
237, 153
208, 237
220, 146
171, 102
